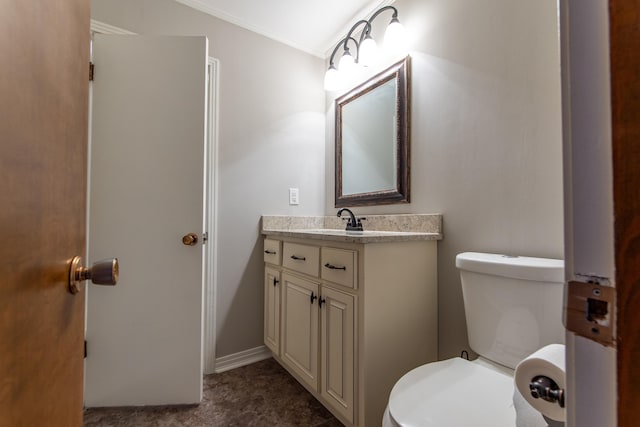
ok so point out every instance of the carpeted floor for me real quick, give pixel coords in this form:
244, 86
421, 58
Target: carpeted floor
261, 394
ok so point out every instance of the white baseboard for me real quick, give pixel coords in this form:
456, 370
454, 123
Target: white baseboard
246, 357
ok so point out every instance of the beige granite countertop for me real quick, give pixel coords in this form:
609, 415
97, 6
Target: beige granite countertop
377, 228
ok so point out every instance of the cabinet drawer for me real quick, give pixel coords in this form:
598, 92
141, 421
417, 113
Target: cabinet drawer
302, 258
340, 266
273, 251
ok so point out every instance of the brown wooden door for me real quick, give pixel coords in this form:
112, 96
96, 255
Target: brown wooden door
624, 18
44, 57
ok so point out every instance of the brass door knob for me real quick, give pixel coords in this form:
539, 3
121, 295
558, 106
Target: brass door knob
103, 272
190, 239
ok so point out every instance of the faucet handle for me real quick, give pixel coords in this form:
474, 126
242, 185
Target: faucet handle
355, 224
352, 222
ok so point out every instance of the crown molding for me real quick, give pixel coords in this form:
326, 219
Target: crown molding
103, 28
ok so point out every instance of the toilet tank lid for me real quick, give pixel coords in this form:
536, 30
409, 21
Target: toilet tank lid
517, 267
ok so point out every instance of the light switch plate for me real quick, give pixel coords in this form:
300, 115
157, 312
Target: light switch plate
294, 196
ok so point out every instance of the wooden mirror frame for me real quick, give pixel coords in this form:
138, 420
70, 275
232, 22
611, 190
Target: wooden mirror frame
400, 71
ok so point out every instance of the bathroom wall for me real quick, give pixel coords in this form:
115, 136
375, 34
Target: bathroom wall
486, 139
486, 142
271, 137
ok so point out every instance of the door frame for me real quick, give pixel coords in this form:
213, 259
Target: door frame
588, 205
601, 132
211, 217
211, 198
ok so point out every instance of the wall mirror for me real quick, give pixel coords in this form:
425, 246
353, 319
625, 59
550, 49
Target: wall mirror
372, 140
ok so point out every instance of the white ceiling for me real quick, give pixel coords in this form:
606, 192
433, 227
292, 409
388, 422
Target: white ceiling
314, 26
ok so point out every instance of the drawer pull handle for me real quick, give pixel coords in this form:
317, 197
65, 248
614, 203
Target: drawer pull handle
298, 258
334, 267
313, 297
270, 252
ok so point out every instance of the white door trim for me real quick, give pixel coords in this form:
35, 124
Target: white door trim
211, 215
209, 330
588, 198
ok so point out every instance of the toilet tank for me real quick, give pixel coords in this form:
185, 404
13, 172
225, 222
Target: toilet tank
513, 305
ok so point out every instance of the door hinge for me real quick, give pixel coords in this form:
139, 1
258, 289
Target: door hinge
85, 349
205, 237
91, 68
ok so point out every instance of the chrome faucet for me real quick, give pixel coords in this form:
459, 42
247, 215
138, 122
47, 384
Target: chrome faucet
353, 224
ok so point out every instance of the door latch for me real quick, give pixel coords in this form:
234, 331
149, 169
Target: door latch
590, 310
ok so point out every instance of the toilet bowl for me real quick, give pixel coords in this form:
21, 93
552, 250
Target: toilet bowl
513, 306
453, 392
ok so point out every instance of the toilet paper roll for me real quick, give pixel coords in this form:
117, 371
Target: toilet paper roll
548, 361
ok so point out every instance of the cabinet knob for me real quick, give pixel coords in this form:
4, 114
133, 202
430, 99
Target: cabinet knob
313, 297
321, 301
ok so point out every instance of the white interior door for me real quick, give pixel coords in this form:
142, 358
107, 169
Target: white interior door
144, 336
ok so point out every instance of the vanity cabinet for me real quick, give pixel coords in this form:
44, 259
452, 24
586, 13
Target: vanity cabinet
347, 320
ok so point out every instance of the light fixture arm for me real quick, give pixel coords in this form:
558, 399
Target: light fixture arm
379, 11
367, 29
394, 18
364, 41
365, 32
343, 43
374, 16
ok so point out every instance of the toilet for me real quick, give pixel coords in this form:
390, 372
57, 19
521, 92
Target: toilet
513, 307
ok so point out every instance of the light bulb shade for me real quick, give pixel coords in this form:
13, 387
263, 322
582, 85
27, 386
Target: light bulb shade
368, 52
331, 79
347, 64
395, 37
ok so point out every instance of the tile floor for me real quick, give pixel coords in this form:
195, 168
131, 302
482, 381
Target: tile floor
260, 394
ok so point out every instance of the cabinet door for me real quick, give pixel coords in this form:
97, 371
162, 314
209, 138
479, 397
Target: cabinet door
299, 349
337, 344
272, 309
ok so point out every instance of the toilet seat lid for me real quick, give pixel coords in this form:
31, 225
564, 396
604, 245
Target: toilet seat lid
453, 393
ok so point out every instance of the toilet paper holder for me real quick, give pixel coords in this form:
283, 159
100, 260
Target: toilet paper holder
543, 387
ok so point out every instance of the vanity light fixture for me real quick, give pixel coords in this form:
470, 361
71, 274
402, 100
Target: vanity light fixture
366, 49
